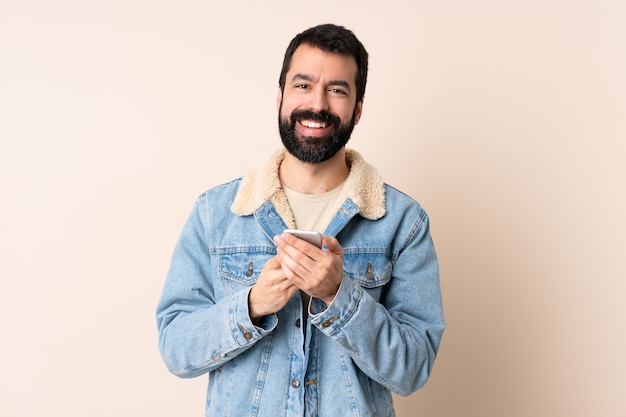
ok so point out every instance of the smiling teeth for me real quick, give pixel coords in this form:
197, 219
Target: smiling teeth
312, 124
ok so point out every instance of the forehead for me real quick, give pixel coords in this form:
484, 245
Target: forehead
321, 65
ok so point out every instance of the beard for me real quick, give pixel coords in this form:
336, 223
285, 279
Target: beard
314, 150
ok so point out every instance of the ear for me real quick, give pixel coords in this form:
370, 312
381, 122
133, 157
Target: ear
279, 98
358, 111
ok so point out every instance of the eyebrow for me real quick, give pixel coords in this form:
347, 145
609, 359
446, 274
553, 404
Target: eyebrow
306, 77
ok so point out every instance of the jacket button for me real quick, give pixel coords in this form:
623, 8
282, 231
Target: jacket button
328, 322
298, 323
295, 383
246, 333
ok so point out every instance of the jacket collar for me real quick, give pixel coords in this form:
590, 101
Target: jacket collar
364, 186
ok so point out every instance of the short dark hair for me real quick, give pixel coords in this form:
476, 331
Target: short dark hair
334, 39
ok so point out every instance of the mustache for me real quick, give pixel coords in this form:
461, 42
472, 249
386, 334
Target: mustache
323, 116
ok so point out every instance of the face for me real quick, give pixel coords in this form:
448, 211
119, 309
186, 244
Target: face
317, 108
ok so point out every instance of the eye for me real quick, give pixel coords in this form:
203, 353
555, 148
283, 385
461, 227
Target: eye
338, 91
301, 86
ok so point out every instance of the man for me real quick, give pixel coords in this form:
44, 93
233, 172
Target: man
285, 328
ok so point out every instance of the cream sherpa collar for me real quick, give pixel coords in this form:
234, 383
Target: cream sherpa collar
364, 186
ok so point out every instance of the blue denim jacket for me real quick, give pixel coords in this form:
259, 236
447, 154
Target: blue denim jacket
379, 335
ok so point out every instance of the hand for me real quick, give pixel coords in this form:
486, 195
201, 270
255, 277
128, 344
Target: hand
271, 292
315, 271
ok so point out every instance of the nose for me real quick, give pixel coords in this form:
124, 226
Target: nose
318, 100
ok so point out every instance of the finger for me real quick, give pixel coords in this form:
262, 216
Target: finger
273, 263
293, 245
298, 270
298, 255
290, 275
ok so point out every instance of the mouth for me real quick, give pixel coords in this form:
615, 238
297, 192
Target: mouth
314, 128
313, 124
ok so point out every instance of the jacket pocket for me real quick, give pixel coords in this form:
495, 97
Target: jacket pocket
241, 268
371, 270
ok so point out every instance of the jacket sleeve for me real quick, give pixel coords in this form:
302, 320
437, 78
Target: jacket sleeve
198, 331
393, 341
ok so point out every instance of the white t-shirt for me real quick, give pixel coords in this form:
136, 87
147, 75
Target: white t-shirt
313, 211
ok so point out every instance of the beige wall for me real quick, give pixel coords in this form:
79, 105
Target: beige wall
505, 119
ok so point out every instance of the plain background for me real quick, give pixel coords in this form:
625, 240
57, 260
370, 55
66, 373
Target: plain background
505, 119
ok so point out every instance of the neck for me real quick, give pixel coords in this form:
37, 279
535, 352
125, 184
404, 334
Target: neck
314, 178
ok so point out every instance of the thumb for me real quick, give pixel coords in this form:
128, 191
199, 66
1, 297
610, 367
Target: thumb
273, 262
332, 245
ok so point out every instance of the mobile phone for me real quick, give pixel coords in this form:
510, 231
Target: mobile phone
310, 236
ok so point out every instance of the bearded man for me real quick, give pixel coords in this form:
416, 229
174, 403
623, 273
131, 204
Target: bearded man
284, 327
